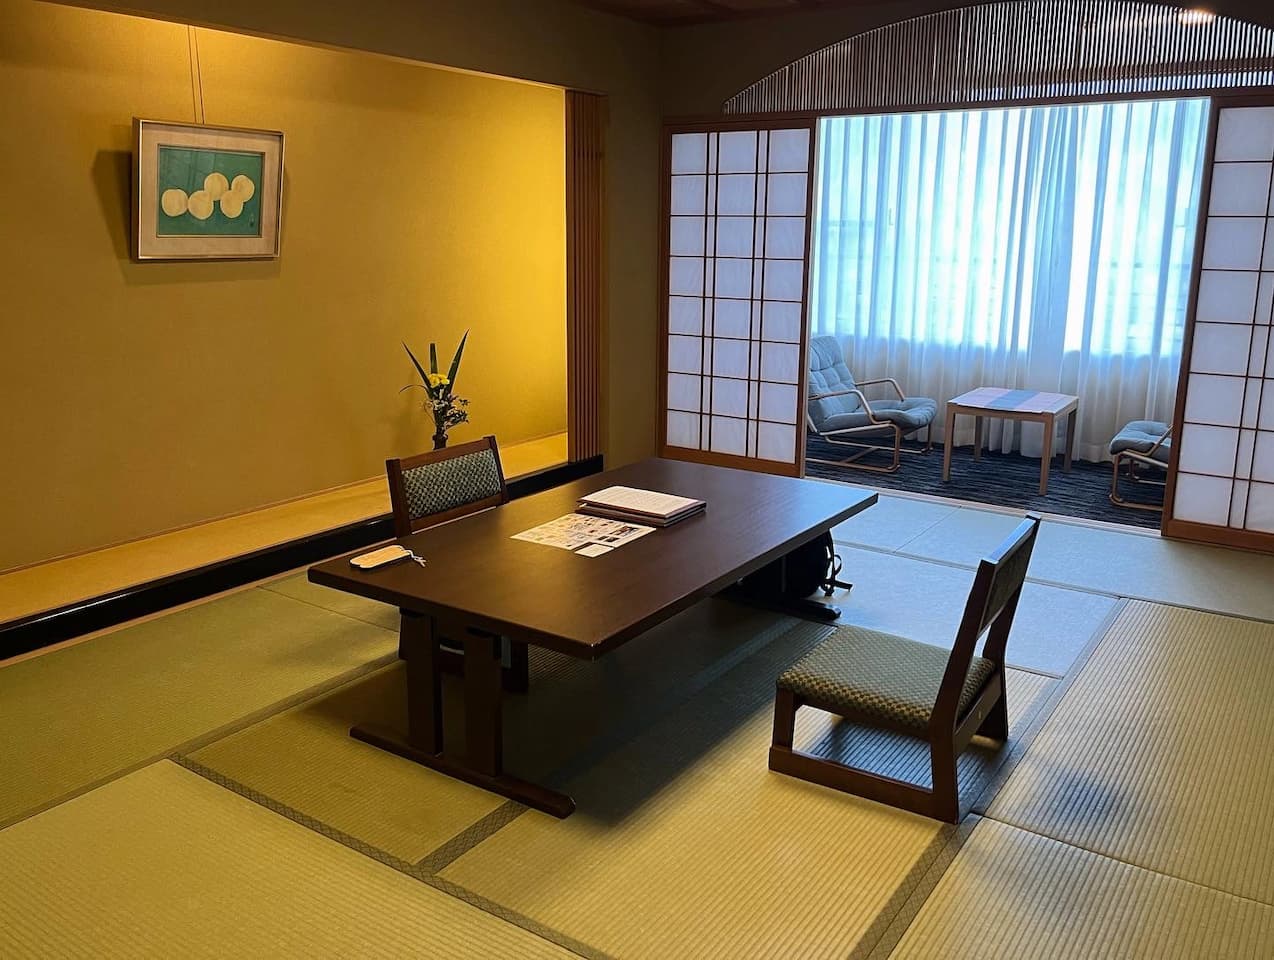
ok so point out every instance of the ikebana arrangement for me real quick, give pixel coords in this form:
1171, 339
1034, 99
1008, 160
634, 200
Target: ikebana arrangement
441, 402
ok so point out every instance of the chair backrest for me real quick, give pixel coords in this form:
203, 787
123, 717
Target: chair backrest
444, 484
990, 609
829, 374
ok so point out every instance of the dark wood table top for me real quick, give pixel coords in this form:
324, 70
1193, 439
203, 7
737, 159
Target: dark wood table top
585, 606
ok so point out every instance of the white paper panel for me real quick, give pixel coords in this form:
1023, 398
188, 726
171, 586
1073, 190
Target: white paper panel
1260, 508
762, 148
734, 278
781, 362
776, 441
683, 392
688, 196
689, 153
782, 322
730, 358
1260, 344
1202, 499
1266, 420
737, 152
1215, 400
732, 318
1265, 299
736, 195
1267, 263
1240, 190
785, 237
784, 279
1226, 297
686, 236
734, 237
1208, 450
685, 354
685, 276
789, 151
683, 430
1245, 133
786, 194
1220, 348
778, 402
1244, 460
685, 315
729, 436
1238, 503
1233, 243
730, 397
1251, 407
1263, 460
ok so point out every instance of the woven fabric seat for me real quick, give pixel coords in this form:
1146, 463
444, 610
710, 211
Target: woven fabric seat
911, 414
880, 677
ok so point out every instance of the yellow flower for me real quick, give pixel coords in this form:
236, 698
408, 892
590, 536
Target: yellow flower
438, 380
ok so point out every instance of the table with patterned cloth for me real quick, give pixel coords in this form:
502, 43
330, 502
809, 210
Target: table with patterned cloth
1013, 405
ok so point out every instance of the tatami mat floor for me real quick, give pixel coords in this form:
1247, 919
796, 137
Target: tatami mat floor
1128, 817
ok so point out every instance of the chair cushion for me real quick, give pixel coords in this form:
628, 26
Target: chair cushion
828, 374
1139, 436
914, 413
877, 676
446, 484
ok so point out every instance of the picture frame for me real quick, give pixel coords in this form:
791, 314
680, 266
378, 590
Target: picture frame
206, 193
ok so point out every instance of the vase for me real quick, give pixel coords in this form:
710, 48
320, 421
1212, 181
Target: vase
440, 440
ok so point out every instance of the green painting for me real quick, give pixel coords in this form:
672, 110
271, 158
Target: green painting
209, 193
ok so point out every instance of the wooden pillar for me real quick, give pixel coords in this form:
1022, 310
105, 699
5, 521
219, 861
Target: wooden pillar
585, 269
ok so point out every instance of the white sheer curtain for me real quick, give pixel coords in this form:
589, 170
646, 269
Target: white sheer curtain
1044, 248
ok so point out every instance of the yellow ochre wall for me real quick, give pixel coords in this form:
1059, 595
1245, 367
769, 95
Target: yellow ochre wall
139, 397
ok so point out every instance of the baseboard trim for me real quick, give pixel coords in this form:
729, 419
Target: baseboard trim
110, 609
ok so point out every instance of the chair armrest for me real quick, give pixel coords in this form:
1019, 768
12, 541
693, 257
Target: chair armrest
889, 380
871, 416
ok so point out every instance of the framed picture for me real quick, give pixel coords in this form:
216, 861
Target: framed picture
205, 193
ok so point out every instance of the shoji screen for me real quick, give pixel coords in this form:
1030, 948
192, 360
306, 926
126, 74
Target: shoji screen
735, 278
1224, 482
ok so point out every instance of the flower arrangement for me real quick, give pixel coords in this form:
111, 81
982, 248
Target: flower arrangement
440, 401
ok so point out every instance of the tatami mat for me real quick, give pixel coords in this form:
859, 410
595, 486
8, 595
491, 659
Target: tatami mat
298, 587
77, 715
305, 759
163, 863
1159, 753
892, 522
1051, 627
1137, 565
684, 844
1012, 894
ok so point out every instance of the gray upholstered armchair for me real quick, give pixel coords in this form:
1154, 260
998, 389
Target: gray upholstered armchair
1144, 447
836, 409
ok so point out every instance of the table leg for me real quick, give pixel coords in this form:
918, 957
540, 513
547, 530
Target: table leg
1046, 458
948, 441
418, 646
977, 438
483, 763
1070, 438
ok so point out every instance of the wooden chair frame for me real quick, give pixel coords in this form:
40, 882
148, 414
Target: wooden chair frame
990, 609
876, 425
404, 525
1135, 459
517, 673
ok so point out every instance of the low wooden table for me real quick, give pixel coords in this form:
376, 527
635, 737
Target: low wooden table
1013, 405
479, 585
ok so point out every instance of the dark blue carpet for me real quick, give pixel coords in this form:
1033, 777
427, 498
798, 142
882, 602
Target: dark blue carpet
1006, 480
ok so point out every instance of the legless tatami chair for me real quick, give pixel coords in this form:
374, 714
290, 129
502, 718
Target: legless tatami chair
879, 680
447, 484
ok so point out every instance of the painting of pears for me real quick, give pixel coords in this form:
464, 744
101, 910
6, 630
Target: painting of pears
209, 193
